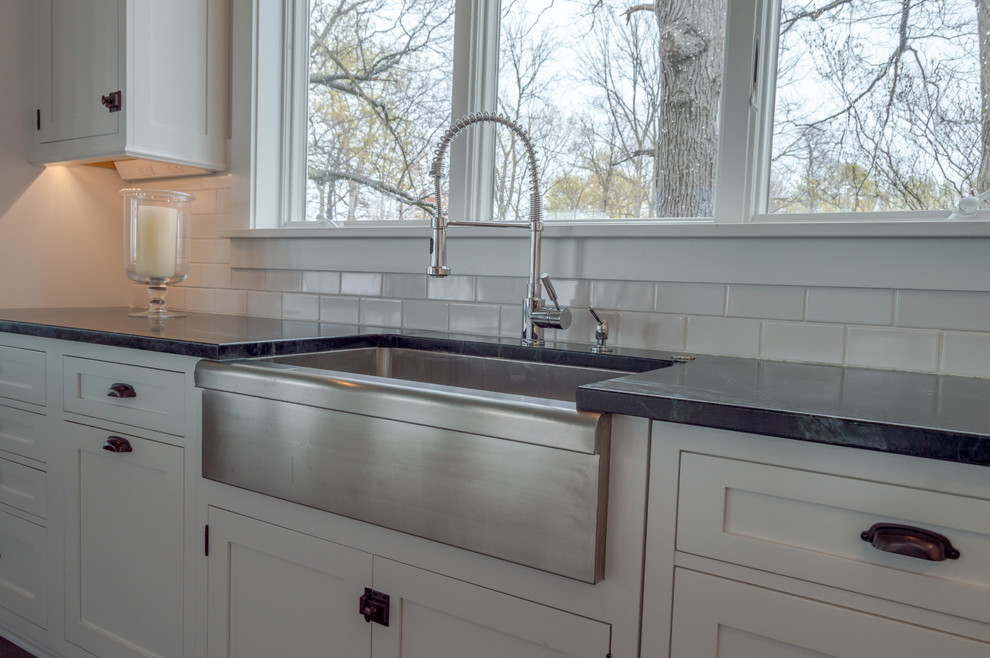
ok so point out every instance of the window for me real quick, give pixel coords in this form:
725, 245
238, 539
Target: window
595, 84
881, 105
690, 110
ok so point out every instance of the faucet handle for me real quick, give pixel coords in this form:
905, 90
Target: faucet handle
601, 334
545, 278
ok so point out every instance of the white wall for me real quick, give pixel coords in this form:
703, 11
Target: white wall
60, 228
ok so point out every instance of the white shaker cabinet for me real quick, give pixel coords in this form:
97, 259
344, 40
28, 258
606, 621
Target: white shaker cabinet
760, 547
720, 617
123, 544
275, 591
132, 78
434, 615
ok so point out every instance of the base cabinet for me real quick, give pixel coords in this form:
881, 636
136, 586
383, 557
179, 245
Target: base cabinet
123, 544
274, 591
716, 617
433, 615
763, 548
23, 581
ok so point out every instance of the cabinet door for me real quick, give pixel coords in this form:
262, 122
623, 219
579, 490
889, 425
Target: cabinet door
123, 545
433, 615
277, 592
80, 51
714, 617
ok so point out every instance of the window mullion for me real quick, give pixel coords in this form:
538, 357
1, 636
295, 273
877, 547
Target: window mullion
736, 179
475, 89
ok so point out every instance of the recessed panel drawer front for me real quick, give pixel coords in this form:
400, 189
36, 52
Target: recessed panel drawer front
22, 375
23, 433
133, 395
809, 525
23, 551
23, 487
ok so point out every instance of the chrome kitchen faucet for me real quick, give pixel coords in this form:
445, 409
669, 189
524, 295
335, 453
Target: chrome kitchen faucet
536, 316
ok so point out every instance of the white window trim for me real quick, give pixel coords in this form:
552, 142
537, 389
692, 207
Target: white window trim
268, 124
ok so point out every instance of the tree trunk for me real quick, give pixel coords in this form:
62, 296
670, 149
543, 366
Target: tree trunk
691, 43
983, 35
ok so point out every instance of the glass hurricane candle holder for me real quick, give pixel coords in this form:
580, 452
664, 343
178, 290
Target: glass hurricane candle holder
156, 244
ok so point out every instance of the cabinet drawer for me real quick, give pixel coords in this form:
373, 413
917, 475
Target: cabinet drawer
23, 433
22, 374
23, 551
146, 397
716, 618
808, 525
22, 487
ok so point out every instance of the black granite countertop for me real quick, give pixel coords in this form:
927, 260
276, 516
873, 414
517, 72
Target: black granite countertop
923, 415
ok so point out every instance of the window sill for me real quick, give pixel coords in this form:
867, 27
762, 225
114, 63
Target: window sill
694, 229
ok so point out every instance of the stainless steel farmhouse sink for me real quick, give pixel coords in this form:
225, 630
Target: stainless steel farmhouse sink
482, 452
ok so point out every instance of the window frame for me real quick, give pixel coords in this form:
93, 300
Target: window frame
270, 165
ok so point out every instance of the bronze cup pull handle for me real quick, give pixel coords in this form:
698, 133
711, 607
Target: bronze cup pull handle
910, 541
120, 390
117, 444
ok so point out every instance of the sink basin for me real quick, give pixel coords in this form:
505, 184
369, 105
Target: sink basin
482, 373
481, 452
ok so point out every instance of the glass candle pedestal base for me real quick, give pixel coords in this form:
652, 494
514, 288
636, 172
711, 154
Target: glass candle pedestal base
156, 303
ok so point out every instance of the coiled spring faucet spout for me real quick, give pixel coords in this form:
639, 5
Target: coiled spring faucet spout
536, 316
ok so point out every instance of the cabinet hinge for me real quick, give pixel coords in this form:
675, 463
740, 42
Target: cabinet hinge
206, 541
38, 118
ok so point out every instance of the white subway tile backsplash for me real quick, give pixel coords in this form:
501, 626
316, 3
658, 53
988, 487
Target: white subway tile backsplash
231, 302
205, 202
221, 250
201, 251
574, 293
474, 318
223, 206
217, 182
892, 349
404, 286
510, 321
301, 307
193, 279
247, 279
799, 341
342, 310
174, 298
215, 275
207, 227
872, 306
691, 298
264, 304
451, 288
622, 295
726, 336
501, 289
361, 284
943, 309
767, 302
650, 331
380, 312
425, 314
966, 354
324, 283
200, 300
283, 280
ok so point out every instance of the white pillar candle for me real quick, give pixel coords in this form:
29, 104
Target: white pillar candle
156, 236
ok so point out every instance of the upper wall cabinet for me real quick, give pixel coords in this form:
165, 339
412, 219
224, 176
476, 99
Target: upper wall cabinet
132, 79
